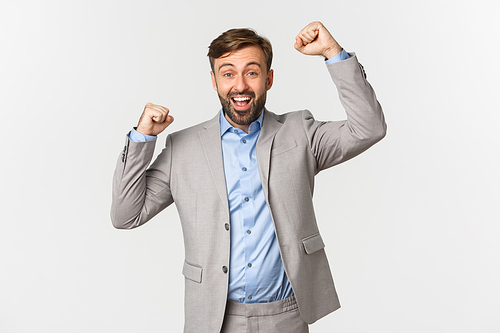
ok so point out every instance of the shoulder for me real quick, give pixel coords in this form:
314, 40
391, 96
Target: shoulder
292, 121
290, 117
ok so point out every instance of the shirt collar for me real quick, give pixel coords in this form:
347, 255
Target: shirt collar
225, 125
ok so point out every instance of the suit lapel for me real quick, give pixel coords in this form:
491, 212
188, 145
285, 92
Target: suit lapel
270, 127
211, 142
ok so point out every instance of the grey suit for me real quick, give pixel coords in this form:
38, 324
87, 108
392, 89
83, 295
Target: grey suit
292, 148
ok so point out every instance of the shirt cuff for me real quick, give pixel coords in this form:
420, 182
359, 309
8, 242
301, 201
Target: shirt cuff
139, 137
339, 57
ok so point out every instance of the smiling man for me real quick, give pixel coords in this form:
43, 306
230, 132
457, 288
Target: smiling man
243, 185
241, 78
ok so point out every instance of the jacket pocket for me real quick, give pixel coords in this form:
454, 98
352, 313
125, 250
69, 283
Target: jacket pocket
192, 272
313, 243
280, 149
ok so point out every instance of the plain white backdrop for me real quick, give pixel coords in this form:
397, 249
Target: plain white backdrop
411, 226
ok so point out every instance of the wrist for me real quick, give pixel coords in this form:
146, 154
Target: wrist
143, 131
329, 53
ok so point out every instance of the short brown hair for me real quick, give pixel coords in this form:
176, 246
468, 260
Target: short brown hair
235, 39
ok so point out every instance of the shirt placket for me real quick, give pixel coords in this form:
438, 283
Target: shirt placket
247, 169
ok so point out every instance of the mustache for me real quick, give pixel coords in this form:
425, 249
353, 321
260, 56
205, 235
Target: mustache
240, 93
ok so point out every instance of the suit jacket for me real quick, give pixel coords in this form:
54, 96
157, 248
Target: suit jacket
292, 148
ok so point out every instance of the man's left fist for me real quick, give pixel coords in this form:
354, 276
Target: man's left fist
315, 39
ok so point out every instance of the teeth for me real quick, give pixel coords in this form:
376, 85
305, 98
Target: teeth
241, 99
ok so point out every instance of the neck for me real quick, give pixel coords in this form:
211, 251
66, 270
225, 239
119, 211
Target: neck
242, 127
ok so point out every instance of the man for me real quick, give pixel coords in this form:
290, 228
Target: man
243, 185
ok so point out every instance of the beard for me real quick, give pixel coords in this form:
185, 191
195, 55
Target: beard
243, 117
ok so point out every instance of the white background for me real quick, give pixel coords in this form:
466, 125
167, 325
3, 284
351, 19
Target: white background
411, 226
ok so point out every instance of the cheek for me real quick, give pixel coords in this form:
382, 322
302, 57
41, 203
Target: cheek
258, 87
224, 87
221, 90
262, 88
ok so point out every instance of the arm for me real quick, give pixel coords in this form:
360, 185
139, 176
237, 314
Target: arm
335, 142
140, 194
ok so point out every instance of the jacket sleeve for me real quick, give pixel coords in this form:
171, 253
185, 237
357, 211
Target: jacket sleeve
139, 192
333, 142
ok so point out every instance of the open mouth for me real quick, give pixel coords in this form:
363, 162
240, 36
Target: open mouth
241, 103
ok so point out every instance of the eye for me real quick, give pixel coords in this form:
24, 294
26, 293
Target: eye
227, 75
252, 74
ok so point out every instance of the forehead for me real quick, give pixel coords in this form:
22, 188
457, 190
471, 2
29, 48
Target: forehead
249, 55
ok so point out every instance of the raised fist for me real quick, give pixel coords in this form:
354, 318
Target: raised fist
154, 119
315, 39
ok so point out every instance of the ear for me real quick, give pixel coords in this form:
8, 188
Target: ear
270, 79
214, 83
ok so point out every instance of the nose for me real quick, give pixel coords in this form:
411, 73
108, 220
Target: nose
240, 84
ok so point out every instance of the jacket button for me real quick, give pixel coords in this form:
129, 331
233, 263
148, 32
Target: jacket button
226, 226
224, 269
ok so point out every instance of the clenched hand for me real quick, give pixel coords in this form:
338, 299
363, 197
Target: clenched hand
315, 39
154, 119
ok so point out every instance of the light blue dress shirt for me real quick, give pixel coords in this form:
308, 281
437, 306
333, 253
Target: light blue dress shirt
256, 272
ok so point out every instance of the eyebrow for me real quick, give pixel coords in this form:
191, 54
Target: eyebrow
249, 64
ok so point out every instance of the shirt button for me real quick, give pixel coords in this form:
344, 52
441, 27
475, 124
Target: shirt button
235, 131
226, 226
244, 169
224, 269
246, 199
244, 141
250, 297
249, 264
249, 232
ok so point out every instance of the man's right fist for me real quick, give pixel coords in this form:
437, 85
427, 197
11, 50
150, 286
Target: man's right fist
154, 119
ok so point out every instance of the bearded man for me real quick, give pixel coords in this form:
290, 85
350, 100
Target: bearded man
243, 185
